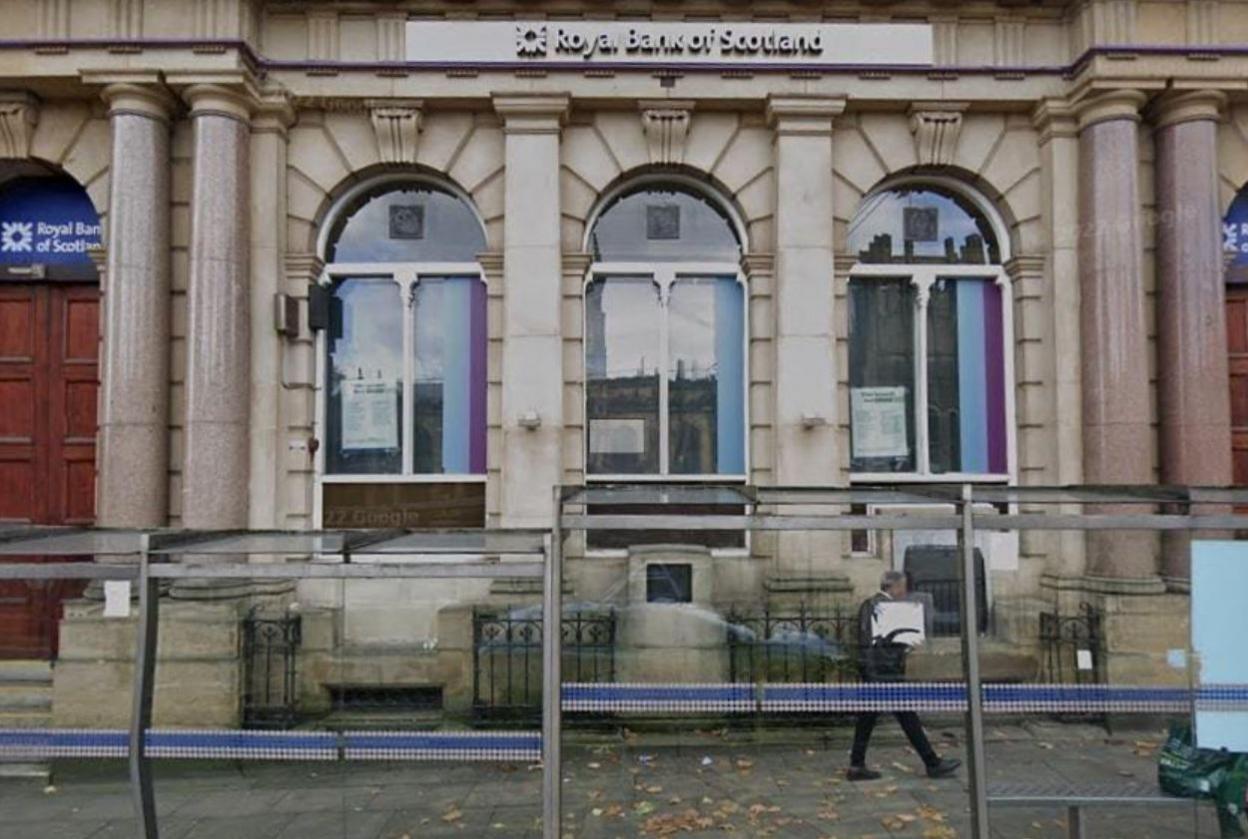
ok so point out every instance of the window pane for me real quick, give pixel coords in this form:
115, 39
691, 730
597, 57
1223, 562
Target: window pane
622, 360
365, 388
667, 223
966, 377
706, 377
922, 226
448, 366
881, 375
408, 224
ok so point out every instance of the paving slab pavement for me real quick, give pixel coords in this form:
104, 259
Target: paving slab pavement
753, 783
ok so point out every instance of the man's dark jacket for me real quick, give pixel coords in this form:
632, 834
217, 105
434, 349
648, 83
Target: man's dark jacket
883, 662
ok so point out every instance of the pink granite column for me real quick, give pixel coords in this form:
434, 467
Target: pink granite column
1116, 433
1192, 394
133, 485
215, 470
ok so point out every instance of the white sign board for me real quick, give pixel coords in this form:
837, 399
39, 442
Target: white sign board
667, 42
1219, 626
116, 598
369, 415
898, 622
878, 421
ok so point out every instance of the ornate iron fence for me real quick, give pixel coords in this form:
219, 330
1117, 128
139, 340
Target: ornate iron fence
1072, 646
806, 646
270, 672
507, 657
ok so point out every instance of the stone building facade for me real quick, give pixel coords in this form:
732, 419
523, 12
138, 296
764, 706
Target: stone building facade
229, 146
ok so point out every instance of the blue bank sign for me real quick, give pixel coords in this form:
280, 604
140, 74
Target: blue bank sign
48, 222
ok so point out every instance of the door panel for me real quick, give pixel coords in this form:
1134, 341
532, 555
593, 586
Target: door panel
49, 344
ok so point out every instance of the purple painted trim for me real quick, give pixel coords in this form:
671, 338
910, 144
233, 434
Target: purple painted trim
477, 343
994, 377
261, 63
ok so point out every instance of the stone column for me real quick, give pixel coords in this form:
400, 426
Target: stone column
1192, 392
133, 485
532, 376
218, 369
267, 266
1117, 445
804, 417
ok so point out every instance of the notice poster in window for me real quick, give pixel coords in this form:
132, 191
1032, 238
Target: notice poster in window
370, 415
878, 422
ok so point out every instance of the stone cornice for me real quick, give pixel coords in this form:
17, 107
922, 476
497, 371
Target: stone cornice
532, 113
1186, 106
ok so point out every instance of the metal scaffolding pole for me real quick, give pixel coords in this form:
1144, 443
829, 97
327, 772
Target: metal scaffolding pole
975, 765
144, 677
552, 678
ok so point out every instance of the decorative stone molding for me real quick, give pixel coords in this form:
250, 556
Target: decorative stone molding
1113, 22
1187, 106
19, 114
216, 19
532, 113
146, 100
1054, 118
1109, 105
391, 36
936, 127
1007, 42
54, 20
1202, 21
323, 35
666, 125
803, 114
396, 122
216, 100
944, 41
126, 19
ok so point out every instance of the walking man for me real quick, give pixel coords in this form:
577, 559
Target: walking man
884, 660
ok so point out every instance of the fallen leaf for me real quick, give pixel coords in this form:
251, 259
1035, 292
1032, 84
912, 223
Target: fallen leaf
452, 815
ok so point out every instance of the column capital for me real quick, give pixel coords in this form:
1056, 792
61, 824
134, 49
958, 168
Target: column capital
804, 114
219, 100
273, 115
491, 263
758, 263
1109, 105
1186, 106
145, 100
532, 113
1054, 118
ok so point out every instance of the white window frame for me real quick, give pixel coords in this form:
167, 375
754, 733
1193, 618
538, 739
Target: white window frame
922, 278
665, 274
407, 276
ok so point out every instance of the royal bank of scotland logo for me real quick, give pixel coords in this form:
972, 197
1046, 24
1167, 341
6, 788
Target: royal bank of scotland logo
16, 236
531, 40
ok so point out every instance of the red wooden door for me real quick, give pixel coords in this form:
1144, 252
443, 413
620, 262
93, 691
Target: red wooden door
49, 343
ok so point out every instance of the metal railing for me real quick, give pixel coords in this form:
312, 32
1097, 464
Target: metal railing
803, 646
270, 649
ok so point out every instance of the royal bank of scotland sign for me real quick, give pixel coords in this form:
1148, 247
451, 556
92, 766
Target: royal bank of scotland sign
667, 43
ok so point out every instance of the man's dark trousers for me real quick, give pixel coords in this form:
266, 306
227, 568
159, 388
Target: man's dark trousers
909, 723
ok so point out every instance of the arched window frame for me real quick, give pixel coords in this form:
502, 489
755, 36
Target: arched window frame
923, 277
665, 274
407, 276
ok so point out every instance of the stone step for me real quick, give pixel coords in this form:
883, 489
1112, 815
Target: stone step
25, 771
25, 670
18, 696
26, 718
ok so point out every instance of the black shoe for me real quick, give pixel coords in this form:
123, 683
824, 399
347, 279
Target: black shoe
943, 768
862, 773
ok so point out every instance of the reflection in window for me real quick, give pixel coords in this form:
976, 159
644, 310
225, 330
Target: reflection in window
449, 376
622, 362
926, 225
881, 375
966, 377
706, 377
414, 223
668, 223
365, 388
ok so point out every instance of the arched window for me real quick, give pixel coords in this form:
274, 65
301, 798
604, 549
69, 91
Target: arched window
665, 337
405, 342
928, 364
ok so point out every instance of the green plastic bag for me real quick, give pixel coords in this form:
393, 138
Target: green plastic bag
1186, 771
